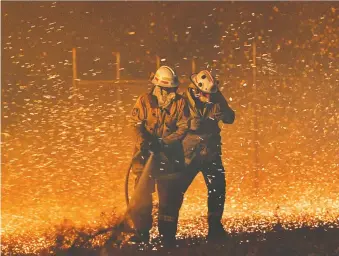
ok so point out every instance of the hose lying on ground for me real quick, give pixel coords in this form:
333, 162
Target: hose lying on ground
133, 205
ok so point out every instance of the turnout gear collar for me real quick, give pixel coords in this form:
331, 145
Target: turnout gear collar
190, 93
165, 77
193, 98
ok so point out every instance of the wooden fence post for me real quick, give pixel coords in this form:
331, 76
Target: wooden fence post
157, 60
193, 65
75, 76
118, 65
255, 117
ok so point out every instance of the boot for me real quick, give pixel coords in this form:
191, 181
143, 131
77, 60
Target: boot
167, 231
140, 237
216, 231
168, 242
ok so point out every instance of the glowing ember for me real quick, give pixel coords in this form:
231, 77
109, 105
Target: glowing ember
65, 154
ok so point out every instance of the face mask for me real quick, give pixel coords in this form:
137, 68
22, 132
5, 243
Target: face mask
205, 97
201, 96
165, 97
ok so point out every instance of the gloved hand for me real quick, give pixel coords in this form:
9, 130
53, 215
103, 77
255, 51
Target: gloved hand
156, 146
219, 116
195, 124
144, 146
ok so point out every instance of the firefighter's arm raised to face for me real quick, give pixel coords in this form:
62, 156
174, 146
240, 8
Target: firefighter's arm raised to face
223, 112
181, 124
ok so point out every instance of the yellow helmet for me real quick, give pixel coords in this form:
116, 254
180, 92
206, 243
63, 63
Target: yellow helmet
165, 77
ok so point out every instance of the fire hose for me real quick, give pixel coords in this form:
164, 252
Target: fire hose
127, 178
137, 202
133, 204
153, 171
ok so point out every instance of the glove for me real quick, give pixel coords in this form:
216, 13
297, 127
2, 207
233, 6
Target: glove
156, 146
219, 116
195, 124
144, 146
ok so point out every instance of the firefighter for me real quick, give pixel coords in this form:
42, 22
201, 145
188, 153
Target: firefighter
202, 144
160, 120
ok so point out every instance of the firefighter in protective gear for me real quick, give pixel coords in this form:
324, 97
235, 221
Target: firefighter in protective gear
202, 144
160, 120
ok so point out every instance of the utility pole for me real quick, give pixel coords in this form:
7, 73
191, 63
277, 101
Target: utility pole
255, 117
117, 70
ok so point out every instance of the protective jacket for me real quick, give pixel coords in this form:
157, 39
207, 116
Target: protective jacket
205, 141
151, 122
170, 123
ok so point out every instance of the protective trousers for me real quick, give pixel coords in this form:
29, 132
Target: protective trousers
214, 176
169, 205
